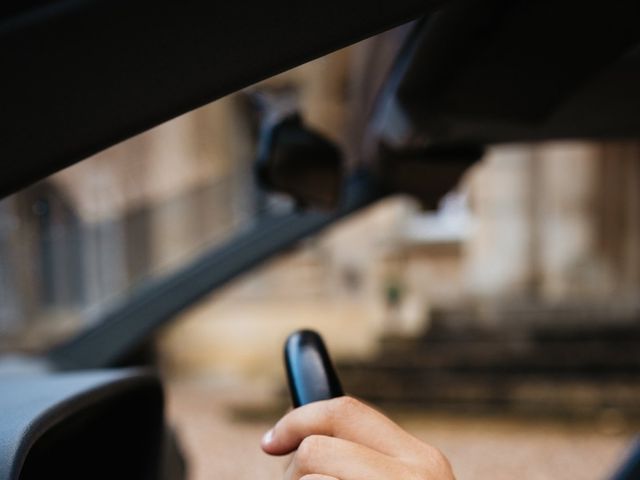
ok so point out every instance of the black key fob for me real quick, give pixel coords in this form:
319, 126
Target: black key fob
310, 372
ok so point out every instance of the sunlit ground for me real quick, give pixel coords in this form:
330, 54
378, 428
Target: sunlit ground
220, 428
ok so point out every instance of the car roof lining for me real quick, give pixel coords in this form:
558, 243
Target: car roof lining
81, 76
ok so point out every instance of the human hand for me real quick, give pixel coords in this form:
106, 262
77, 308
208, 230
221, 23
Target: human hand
343, 439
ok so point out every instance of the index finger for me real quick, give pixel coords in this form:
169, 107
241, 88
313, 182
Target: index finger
343, 417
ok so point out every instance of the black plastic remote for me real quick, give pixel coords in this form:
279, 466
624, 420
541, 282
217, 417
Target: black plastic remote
310, 372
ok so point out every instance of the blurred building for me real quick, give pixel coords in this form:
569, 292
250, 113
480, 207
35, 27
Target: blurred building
557, 223
79, 240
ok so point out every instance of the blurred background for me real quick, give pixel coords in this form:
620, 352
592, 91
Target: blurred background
503, 327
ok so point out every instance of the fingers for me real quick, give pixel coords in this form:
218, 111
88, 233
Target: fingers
344, 418
315, 476
331, 458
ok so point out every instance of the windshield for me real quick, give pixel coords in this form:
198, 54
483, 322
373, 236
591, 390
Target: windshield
512, 310
517, 297
83, 239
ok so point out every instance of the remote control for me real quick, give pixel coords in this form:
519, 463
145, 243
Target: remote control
310, 372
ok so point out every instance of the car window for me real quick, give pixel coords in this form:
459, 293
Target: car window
86, 237
79, 240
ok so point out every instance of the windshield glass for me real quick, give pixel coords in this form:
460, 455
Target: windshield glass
83, 241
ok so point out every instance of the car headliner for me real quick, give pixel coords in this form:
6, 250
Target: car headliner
79, 76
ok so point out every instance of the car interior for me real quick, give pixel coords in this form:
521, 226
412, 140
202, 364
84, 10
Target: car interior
450, 80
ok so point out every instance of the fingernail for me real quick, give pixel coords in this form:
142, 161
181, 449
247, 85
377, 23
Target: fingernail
268, 437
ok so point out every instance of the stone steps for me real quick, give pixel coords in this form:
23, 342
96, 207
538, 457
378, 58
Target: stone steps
535, 370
